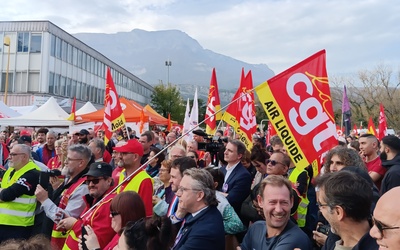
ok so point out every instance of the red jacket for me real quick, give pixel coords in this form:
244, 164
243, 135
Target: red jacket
99, 219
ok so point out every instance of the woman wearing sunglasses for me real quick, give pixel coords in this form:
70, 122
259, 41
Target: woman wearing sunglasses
126, 206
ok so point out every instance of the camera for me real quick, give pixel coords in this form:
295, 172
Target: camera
324, 229
44, 177
213, 144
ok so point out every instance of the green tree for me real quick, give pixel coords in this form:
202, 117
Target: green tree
166, 99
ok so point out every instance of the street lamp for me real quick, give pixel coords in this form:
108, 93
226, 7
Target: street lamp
168, 64
7, 43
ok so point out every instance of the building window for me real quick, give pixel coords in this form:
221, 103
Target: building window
64, 51
78, 89
62, 86
53, 45
36, 43
58, 47
51, 82
23, 41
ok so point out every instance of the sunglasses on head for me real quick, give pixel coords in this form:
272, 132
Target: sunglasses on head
273, 162
94, 181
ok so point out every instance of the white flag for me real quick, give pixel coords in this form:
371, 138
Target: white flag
186, 121
194, 116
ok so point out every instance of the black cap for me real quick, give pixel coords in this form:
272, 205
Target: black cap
25, 138
199, 132
99, 169
84, 132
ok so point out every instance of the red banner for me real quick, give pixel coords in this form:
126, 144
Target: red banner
298, 103
382, 123
114, 118
213, 106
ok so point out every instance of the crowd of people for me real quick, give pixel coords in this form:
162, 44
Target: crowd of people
156, 190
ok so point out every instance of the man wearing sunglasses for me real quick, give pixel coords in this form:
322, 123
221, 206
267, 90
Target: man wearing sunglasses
100, 182
386, 220
345, 200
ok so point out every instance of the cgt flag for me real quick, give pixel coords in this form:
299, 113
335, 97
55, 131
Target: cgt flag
213, 106
299, 105
114, 118
382, 123
241, 113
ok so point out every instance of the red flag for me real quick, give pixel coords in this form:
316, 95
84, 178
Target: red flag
355, 128
382, 123
299, 105
213, 106
371, 127
73, 110
226, 131
141, 123
241, 114
271, 131
114, 118
169, 126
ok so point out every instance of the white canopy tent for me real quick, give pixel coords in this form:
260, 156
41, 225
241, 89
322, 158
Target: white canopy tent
49, 114
24, 110
86, 109
6, 112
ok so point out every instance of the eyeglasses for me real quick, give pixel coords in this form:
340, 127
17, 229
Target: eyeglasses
176, 156
273, 162
192, 156
94, 181
381, 227
113, 213
183, 189
15, 154
162, 170
69, 159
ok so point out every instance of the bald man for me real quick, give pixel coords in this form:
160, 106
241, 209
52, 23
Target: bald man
386, 220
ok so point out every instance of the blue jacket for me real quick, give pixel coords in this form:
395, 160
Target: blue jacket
239, 186
204, 231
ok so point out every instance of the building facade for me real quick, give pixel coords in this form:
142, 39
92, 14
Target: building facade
44, 61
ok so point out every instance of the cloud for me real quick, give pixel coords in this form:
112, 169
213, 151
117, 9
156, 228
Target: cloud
279, 33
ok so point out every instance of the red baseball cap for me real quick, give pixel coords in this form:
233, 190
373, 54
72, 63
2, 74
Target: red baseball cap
132, 146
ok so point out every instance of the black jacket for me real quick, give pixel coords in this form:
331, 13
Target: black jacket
392, 176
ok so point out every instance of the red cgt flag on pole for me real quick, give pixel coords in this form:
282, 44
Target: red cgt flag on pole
241, 114
299, 105
114, 118
213, 106
382, 123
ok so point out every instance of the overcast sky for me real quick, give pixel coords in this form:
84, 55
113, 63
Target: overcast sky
356, 34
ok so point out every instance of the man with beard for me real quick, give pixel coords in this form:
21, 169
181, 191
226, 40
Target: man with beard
99, 182
277, 231
390, 156
66, 200
129, 156
345, 200
40, 138
83, 137
17, 199
48, 150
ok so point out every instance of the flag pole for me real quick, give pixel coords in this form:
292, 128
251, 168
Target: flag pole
156, 155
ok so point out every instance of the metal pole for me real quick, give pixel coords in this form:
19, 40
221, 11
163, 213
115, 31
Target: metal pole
7, 43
